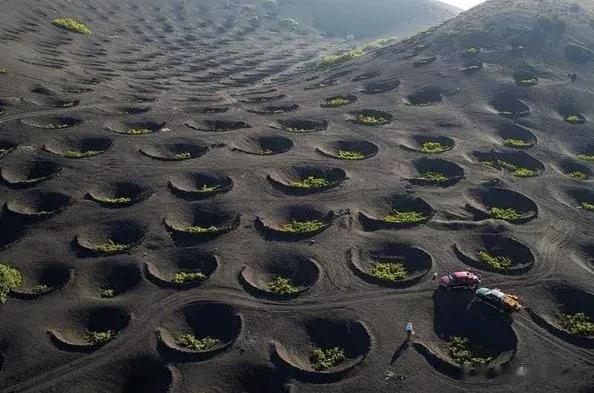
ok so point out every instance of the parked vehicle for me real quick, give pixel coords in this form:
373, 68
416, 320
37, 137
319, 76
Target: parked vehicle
503, 302
465, 279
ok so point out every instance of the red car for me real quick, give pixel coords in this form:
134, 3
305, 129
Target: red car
467, 280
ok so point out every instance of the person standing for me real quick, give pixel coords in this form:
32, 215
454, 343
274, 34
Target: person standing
409, 330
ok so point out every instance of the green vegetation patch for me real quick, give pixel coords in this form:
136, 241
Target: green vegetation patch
3, 71
465, 352
310, 182
507, 214
182, 277
10, 278
516, 143
527, 82
333, 60
587, 206
378, 43
512, 169
405, 217
323, 359
107, 293
350, 155
430, 147
72, 25
579, 175
114, 200
577, 324
111, 247
99, 338
496, 262
371, 120
182, 156
197, 229
138, 131
208, 189
389, 271
586, 157
282, 286
355, 53
574, 119
189, 341
337, 101
434, 177
302, 226
82, 154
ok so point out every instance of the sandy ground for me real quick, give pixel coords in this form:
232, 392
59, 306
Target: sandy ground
228, 96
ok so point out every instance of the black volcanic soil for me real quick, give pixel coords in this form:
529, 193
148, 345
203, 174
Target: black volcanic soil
168, 141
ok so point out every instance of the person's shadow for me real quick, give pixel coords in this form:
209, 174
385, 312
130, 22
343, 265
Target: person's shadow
403, 347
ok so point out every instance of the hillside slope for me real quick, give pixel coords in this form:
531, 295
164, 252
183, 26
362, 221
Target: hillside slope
370, 18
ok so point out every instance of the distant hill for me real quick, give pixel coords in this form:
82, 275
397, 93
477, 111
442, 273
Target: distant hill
365, 19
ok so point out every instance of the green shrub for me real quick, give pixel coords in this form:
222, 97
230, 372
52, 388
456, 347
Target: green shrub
507, 214
182, 156
430, 147
282, 286
577, 324
96, 338
496, 262
10, 278
3, 71
81, 154
337, 101
302, 226
472, 51
586, 157
182, 277
389, 271
114, 200
371, 120
350, 155
527, 82
323, 359
138, 131
516, 143
574, 119
39, 289
465, 352
197, 229
434, 177
332, 60
524, 172
72, 25
405, 217
516, 170
579, 175
208, 188
310, 182
189, 341
107, 293
111, 247
587, 206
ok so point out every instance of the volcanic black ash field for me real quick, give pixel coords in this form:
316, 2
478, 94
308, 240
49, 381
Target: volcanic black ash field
211, 197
